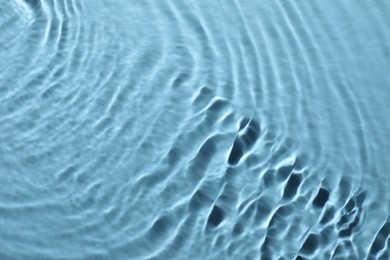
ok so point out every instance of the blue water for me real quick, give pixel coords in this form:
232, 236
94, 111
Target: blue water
194, 129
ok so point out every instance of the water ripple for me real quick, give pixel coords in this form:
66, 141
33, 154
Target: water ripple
177, 130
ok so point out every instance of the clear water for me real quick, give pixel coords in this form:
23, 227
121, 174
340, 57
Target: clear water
194, 129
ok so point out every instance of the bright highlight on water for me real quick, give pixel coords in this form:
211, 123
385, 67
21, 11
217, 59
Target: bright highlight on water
194, 129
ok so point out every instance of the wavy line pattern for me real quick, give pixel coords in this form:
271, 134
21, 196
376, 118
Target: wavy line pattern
194, 129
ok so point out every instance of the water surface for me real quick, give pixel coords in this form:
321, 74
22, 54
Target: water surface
194, 129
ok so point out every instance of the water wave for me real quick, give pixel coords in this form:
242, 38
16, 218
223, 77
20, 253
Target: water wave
186, 130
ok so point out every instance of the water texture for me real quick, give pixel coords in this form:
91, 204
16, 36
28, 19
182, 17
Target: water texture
194, 129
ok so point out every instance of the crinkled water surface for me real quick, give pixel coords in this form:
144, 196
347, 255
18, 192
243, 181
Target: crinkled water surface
199, 129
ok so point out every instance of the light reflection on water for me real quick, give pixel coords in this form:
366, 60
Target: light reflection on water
194, 129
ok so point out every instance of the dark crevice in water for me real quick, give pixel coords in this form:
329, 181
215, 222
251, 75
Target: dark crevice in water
321, 198
310, 245
245, 139
292, 186
379, 242
216, 216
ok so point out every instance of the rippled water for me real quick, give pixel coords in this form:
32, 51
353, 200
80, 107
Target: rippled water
194, 129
